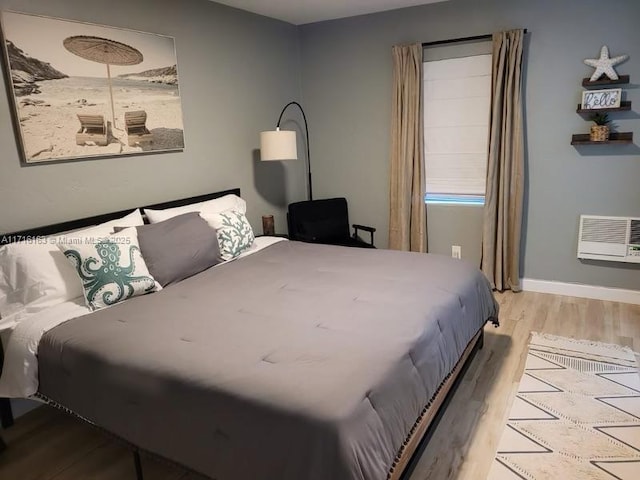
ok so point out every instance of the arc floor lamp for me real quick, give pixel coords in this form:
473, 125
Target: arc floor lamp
281, 144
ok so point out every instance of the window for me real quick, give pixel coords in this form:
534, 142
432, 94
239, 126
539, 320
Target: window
457, 96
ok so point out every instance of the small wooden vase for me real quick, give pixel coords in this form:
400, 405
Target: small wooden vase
599, 133
268, 227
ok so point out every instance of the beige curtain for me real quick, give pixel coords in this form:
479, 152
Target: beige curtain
505, 167
407, 212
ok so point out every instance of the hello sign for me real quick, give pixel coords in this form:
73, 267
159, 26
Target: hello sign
598, 99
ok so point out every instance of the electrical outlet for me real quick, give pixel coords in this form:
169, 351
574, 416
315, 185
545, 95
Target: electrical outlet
456, 251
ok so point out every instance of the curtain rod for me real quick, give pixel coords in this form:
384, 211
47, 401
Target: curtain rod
488, 36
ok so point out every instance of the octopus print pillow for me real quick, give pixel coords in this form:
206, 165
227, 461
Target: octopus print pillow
234, 232
111, 268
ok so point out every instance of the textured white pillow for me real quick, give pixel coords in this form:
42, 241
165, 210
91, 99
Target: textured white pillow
35, 275
234, 232
217, 205
110, 268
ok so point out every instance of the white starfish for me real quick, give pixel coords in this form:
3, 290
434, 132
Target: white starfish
604, 65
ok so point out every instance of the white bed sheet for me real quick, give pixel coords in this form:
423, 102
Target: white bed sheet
20, 370
259, 243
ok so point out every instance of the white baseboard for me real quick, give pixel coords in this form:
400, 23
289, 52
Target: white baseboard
581, 290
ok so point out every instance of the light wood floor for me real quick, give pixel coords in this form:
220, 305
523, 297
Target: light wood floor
48, 445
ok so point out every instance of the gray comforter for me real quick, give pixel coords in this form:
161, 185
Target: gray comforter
297, 362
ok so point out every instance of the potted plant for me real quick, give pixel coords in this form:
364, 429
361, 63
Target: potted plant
600, 131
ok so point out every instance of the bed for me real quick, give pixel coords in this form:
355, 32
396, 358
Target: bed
292, 361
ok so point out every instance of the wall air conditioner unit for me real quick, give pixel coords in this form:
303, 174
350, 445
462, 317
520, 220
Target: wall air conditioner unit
616, 239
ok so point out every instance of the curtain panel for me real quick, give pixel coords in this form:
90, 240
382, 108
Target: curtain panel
505, 166
407, 211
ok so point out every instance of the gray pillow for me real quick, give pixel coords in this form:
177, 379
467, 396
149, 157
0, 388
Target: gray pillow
178, 247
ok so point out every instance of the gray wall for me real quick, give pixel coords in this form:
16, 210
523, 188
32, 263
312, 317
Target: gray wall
346, 78
449, 225
236, 71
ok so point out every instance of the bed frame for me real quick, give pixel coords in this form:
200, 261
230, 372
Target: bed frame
426, 423
408, 454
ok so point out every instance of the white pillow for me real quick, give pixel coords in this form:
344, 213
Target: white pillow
217, 205
110, 268
35, 275
132, 219
234, 232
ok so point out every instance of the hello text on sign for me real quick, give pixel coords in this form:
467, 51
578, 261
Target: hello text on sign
597, 99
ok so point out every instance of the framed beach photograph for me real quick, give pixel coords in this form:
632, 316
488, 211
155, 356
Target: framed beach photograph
82, 91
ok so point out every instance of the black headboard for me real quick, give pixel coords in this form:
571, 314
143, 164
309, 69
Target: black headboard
95, 220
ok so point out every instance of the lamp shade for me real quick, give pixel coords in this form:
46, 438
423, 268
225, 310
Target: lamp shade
278, 145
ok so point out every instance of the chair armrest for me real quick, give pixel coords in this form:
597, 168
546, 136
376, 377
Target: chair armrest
364, 227
357, 227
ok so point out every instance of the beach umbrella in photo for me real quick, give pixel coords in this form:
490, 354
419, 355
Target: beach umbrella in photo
103, 50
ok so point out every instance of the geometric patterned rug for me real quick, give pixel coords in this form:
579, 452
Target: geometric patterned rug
576, 414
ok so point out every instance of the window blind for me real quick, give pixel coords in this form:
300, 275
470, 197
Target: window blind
457, 96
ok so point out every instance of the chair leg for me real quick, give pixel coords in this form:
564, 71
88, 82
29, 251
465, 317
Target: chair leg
6, 414
138, 464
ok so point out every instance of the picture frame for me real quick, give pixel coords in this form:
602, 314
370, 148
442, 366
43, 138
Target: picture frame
82, 91
601, 99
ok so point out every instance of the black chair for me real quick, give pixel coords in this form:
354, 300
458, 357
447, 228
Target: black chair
325, 221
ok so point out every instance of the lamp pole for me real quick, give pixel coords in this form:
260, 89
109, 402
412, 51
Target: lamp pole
306, 128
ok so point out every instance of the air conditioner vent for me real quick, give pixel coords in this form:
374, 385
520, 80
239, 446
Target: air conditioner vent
604, 230
634, 236
614, 239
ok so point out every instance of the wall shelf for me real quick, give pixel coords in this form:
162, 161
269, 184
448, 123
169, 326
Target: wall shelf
615, 138
624, 106
619, 138
622, 79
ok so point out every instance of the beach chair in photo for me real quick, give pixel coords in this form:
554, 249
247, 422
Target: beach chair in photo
93, 130
137, 132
